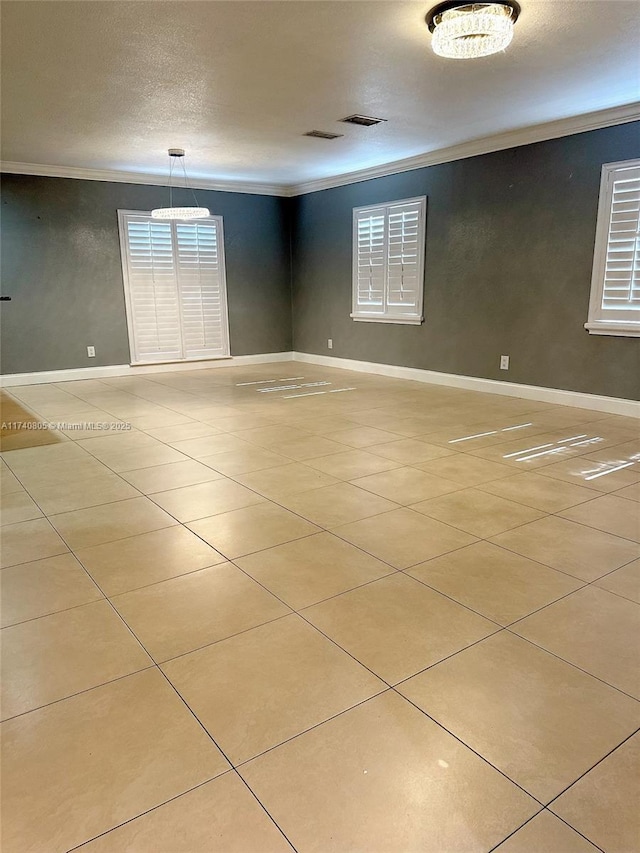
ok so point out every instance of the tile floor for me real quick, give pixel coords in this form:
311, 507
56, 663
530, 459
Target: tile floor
371, 615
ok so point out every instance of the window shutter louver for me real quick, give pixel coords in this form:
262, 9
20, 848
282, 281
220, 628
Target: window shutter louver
388, 262
614, 307
201, 291
370, 262
404, 260
621, 291
175, 288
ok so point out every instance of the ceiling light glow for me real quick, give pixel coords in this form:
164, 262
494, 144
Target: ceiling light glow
463, 30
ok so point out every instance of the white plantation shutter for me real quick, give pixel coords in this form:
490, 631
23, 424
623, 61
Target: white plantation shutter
370, 261
153, 296
388, 262
201, 286
405, 258
615, 294
174, 287
622, 269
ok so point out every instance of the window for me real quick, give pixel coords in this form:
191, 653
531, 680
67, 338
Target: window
388, 262
175, 289
614, 308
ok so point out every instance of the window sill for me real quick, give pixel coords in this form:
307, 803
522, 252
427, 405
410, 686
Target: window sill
611, 327
400, 321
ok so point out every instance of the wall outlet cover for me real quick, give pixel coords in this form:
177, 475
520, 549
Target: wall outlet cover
330, 343
91, 352
504, 362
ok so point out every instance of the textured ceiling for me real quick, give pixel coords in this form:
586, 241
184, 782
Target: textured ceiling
111, 85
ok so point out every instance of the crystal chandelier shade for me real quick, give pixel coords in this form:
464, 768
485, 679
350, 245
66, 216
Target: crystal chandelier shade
185, 212
471, 30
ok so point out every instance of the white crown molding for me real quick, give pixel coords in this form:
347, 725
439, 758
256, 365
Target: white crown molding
114, 176
10, 380
484, 145
555, 396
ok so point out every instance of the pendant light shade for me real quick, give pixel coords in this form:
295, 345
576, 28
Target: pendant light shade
463, 30
185, 212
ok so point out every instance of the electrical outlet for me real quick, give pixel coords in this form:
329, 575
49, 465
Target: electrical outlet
504, 362
330, 343
91, 352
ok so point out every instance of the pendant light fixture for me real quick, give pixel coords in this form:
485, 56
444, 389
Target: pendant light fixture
463, 30
171, 212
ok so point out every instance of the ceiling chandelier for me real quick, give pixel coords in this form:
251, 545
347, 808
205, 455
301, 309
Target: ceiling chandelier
171, 212
463, 30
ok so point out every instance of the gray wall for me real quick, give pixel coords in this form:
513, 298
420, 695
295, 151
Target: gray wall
61, 266
509, 253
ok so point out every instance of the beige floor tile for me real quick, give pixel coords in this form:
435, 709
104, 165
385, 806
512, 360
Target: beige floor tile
334, 505
592, 473
352, 464
546, 834
182, 432
251, 529
383, 777
539, 720
234, 462
573, 548
309, 570
144, 457
221, 816
8, 481
595, 630
234, 423
146, 559
477, 512
272, 435
85, 527
175, 475
44, 586
308, 447
16, 507
285, 480
96, 490
260, 688
406, 485
362, 436
63, 473
630, 492
624, 581
499, 584
47, 659
28, 541
465, 469
403, 537
185, 613
205, 499
613, 515
409, 451
539, 492
396, 626
123, 728
326, 425
532, 452
603, 805
208, 444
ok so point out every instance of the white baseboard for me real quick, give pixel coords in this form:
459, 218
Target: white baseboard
12, 379
595, 402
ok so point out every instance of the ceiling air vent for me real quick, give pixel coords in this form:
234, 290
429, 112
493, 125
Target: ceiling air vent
323, 134
363, 121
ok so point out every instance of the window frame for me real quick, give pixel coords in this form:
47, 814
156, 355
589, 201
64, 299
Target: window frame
598, 323
357, 314
124, 257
